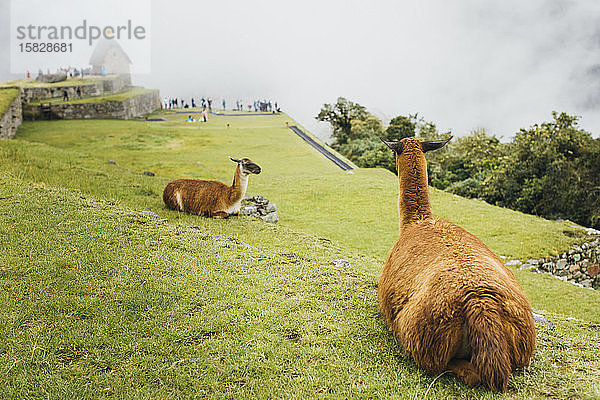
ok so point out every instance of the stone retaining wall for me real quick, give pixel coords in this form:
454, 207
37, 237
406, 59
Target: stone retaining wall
142, 104
132, 107
580, 265
40, 93
114, 85
12, 118
108, 85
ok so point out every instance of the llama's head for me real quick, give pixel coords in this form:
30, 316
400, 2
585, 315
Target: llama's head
411, 145
247, 166
411, 151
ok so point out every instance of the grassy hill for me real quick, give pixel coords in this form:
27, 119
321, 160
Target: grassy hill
102, 300
6, 97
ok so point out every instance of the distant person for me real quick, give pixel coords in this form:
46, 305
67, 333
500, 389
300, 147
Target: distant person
65, 95
28, 75
193, 103
204, 115
190, 119
209, 104
78, 92
223, 104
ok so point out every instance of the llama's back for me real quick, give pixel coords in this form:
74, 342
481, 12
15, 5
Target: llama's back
446, 295
194, 196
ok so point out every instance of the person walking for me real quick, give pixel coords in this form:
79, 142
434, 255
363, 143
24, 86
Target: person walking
223, 104
65, 95
204, 115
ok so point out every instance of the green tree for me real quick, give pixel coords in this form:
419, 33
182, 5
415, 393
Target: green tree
340, 115
400, 127
369, 127
552, 170
467, 165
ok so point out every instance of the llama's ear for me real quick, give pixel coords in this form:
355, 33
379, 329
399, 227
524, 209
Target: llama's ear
235, 160
438, 144
397, 147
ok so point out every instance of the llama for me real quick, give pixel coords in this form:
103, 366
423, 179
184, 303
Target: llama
446, 296
211, 198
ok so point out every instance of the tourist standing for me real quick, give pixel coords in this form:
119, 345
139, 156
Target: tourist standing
204, 115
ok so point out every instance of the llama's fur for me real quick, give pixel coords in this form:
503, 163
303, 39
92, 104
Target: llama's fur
447, 297
211, 198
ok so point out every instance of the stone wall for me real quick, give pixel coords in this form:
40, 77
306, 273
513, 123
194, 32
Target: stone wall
12, 118
142, 104
40, 93
117, 83
132, 107
111, 84
580, 265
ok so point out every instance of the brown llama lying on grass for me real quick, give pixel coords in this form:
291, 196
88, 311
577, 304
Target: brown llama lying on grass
448, 298
211, 198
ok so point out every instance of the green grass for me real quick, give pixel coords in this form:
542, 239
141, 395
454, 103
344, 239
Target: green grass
120, 96
100, 300
6, 97
32, 83
357, 209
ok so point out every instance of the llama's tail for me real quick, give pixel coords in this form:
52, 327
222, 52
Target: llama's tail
490, 352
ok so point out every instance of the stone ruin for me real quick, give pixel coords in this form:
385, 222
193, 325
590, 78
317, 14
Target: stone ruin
580, 265
52, 78
259, 207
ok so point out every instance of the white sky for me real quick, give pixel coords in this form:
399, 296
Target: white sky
462, 64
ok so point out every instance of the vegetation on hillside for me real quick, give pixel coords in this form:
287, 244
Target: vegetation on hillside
311, 193
551, 169
30, 82
104, 301
6, 97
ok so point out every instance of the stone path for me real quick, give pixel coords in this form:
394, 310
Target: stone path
321, 149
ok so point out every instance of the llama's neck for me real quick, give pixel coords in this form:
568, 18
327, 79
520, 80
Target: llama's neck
239, 186
413, 199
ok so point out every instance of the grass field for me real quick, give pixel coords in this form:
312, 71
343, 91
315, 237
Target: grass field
101, 300
6, 97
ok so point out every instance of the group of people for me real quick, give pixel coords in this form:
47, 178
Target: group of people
66, 94
204, 117
179, 102
170, 103
258, 106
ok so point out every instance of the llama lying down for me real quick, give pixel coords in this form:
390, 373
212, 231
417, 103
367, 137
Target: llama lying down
211, 198
447, 297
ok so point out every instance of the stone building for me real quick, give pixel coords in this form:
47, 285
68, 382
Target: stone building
109, 58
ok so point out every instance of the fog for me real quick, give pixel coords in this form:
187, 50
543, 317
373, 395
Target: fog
463, 65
